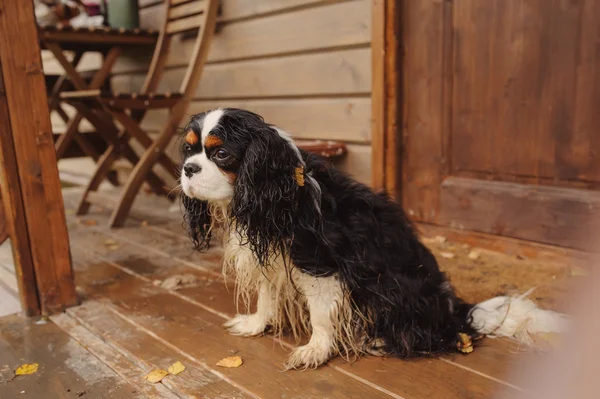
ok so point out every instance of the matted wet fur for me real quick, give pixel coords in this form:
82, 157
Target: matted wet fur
325, 255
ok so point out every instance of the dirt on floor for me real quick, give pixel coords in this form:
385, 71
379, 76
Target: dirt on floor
478, 274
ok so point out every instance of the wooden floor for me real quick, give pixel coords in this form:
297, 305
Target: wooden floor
128, 325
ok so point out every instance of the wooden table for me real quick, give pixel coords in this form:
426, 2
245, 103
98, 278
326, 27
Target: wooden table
108, 41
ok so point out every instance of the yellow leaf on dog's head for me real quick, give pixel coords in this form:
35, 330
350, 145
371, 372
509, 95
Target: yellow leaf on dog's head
176, 368
27, 369
156, 375
230, 362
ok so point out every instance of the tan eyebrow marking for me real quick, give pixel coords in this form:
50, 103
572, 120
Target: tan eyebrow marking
212, 141
191, 138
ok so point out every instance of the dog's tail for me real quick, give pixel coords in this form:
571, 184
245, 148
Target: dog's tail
515, 317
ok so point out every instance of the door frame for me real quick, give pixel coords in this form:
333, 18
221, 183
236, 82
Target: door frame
386, 98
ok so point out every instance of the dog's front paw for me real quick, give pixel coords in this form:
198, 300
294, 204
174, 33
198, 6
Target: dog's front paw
246, 324
307, 357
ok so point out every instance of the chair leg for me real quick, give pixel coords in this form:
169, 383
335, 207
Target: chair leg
141, 169
103, 169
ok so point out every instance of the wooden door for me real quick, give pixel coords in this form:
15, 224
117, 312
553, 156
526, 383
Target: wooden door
502, 116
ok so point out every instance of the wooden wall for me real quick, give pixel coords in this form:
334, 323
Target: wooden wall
304, 65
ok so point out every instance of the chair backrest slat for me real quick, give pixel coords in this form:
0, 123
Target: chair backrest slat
183, 16
186, 10
184, 24
177, 2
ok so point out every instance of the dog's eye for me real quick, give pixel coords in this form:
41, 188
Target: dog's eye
221, 154
187, 148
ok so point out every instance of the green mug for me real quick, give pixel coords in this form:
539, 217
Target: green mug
123, 14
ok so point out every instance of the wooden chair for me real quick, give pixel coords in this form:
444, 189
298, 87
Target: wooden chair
181, 17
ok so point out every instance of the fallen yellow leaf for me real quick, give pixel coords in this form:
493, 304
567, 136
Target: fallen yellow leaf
474, 255
110, 242
447, 255
465, 345
176, 368
144, 223
230, 362
90, 222
156, 375
25, 369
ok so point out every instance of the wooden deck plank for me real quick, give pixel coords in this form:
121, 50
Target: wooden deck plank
493, 358
117, 362
94, 326
168, 241
66, 369
424, 376
174, 320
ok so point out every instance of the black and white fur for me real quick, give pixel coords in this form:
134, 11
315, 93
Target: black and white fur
324, 254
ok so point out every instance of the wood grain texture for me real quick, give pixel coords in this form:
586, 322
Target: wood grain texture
423, 152
537, 79
121, 364
43, 217
378, 89
329, 26
548, 254
345, 119
261, 355
231, 10
12, 207
148, 353
66, 369
549, 215
267, 37
157, 254
3, 223
386, 108
333, 73
322, 28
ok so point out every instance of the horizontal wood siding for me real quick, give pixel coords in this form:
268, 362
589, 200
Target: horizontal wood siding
304, 65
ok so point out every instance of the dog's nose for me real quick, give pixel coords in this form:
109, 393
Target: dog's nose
190, 169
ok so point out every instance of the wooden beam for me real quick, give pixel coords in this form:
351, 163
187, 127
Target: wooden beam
385, 96
3, 224
550, 215
29, 167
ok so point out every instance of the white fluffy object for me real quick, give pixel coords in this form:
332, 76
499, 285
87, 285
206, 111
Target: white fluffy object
515, 317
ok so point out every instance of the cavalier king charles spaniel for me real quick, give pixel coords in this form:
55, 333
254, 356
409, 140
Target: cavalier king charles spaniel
324, 256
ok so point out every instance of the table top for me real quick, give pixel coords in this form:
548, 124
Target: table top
96, 38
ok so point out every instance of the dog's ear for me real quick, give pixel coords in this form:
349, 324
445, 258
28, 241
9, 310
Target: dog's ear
265, 195
197, 220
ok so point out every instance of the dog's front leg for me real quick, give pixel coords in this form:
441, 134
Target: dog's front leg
256, 323
323, 297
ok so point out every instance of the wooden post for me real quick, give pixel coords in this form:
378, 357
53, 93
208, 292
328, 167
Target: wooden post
385, 96
29, 173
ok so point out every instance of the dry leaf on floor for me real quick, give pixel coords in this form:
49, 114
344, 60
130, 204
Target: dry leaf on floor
230, 362
89, 222
176, 368
179, 281
156, 375
25, 369
465, 345
447, 255
144, 223
474, 255
110, 242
